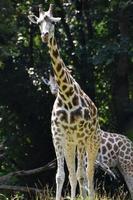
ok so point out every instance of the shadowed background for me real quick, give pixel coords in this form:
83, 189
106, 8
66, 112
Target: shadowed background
96, 42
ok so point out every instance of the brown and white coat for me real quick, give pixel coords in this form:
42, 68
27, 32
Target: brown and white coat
74, 121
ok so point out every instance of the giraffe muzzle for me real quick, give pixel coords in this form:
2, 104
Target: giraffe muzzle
45, 37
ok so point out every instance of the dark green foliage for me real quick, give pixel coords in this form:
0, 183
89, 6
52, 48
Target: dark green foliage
96, 42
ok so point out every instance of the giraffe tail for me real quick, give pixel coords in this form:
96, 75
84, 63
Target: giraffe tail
106, 168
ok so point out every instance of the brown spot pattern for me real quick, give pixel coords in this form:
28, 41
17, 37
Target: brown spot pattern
80, 135
64, 87
105, 135
75, 114
109, 145
53, 62
115, 147
69, 92
127, 151
94, 110
58, 68
120, 143
64, 80
127, 157
112, 152
121, 154
81, 123
103, 150
58, 82
103, 141
55, 53
63, 115
75, 88
105, 157
128, 144
62, 73
62, 96
75, 100
59, 102
123, 148
54, 42
111, 140
83, 103
50, 41
70, 105
66, 106
86, 114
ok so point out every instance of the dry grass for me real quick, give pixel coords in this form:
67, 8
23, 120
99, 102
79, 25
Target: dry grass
48, 194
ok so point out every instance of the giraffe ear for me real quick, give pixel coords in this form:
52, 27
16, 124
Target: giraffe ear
33, 19
55, 19
52, 79
45, 80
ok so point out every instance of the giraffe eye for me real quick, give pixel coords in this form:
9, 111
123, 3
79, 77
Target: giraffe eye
46, 17
52, 22
39, 22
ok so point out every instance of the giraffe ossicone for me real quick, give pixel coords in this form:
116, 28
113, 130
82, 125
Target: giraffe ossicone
45, 21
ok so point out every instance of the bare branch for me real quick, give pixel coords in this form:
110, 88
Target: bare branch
20, 188
6, 178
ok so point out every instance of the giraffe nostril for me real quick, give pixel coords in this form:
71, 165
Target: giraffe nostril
44, 37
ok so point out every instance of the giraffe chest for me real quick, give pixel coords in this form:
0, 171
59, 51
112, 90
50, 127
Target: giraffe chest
74, 125
74, 114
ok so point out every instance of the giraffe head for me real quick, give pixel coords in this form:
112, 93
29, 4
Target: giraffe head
46, 22
52, 84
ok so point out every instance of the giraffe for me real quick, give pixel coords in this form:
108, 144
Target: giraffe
115, 150
51, 83
74, 120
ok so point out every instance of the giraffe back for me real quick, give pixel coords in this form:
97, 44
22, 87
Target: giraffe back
116, 150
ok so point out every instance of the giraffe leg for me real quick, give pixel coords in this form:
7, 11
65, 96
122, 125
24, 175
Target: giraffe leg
60, 175
129, 181
81, 172
70, 151
90, 175
91, 150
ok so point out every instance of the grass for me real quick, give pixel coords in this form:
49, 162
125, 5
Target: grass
48, 194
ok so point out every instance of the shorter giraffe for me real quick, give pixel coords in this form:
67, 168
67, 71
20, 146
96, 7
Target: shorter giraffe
116, 150
51, 83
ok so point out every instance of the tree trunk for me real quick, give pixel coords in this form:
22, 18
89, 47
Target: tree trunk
85, 69
120, 93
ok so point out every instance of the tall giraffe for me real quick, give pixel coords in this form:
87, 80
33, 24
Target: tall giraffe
74, 121
116, 150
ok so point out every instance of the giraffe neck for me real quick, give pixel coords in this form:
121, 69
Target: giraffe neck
62, 75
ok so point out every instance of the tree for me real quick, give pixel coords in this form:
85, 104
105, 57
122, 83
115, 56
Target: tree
96, 43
